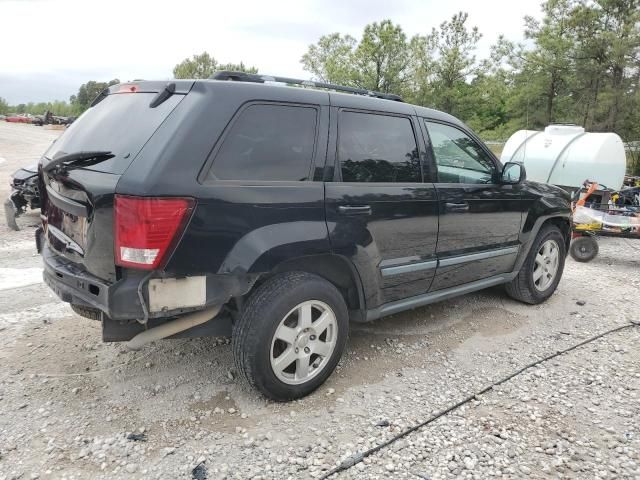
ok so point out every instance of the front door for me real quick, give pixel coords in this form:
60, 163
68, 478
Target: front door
379, 212
479, 217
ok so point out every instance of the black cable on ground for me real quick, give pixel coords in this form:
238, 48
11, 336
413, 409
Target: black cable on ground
358, 457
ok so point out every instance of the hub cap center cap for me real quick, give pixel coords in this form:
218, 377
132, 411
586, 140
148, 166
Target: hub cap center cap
303, 340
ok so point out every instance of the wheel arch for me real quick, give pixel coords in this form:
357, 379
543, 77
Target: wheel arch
564, 224
561, 221
337, 270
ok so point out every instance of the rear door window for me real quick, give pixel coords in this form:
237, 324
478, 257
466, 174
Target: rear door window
268, 142
121, 123
377, 148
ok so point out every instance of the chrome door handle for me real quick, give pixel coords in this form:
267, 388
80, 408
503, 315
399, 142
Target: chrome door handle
355, 209
457, 207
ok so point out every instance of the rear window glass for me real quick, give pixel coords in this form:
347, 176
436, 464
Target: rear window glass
121, 124
268, 142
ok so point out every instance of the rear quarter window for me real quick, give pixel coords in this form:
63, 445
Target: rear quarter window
268, 142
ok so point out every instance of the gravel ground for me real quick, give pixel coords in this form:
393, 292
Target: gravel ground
74, 408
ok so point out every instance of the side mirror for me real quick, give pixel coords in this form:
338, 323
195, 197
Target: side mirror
513, 173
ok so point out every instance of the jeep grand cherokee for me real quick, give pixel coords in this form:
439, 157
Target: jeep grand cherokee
278, 214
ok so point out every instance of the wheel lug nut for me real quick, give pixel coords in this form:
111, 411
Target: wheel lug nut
297, 350
306, 350
312, 337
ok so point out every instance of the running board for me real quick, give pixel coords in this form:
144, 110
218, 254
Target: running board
433, 297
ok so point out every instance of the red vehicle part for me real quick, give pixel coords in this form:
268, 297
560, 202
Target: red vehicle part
18, 119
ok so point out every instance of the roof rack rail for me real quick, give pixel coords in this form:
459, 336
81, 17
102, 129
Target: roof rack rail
256, 78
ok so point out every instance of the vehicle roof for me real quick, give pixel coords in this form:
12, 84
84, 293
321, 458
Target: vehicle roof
280, 92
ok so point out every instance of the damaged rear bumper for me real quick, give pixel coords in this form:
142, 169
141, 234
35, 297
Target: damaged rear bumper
120, 300
73, 284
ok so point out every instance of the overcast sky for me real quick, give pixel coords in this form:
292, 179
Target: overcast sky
50, 47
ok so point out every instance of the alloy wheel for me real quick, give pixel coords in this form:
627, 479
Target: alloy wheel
546, 265
303, 342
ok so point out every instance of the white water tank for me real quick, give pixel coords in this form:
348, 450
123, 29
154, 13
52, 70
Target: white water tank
566, 155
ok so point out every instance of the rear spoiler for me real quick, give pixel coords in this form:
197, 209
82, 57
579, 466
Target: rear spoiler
166, 88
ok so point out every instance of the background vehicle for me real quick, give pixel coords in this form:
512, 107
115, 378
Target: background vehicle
24, 194
39, 120
18, 119
280, 214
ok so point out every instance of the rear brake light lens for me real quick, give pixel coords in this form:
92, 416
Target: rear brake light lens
148, 228
128, 88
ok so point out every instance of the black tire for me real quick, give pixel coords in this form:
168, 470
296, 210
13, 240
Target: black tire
254, 331
583, 249
523, 287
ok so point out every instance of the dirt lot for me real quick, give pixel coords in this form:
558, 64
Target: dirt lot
69, 403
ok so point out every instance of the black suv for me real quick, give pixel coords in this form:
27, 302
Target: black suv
278, 214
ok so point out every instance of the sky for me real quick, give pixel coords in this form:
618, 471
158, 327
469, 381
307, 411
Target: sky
54, 46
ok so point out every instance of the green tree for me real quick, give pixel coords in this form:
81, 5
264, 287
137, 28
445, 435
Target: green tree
57, 107
88, 92
4, 106
591, 62
608, 46
487, 107
421, 70
428, 69
454, 45
382, 58
331, 59
380, 61
545, 72
204, 65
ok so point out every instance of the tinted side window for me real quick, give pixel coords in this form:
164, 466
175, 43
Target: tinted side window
458, 157
377, 148
267, 142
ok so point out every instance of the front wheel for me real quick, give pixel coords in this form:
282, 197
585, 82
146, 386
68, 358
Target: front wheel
541, 272
290, 335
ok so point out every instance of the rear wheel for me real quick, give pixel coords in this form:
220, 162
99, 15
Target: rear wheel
541, 272
291, 335
584, 249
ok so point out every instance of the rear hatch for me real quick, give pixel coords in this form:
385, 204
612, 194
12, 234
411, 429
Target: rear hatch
80, 171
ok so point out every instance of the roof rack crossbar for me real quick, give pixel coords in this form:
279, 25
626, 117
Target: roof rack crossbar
255, 78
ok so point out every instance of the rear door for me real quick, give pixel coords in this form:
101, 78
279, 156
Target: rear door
479, 217
379, 211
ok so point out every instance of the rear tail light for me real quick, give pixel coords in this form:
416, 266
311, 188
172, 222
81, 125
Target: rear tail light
128, 88
148, 228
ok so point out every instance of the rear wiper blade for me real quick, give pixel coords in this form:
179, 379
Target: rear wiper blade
78, 159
